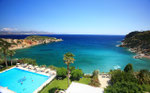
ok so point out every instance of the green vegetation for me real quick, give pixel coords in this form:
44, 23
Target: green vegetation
127, 82
4, 68
144, 77
68, 59
76, 74
4, 45
28, 61
11, 53
5, 52
34, 37
94, 81
61, 73
52, 67
120, 76
146, 87
95, 73
61, 84
84, 80
124, 87
128, 68
139, 41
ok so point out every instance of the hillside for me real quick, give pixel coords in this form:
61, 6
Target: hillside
30, 41
138, 42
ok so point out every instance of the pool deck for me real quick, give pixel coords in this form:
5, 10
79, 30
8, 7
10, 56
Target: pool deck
52, 76
6, 90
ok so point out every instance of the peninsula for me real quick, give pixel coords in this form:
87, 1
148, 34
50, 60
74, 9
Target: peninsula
138, 42
30, 41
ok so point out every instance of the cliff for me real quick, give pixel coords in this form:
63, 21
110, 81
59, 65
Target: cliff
138, 42
30, 41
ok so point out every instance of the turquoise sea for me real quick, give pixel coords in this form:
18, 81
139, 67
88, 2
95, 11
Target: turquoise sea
91, 52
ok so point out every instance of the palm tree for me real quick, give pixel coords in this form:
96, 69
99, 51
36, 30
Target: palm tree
5, 47
68, 59
11, 53
1, 53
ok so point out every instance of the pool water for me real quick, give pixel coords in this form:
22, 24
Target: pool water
21, 81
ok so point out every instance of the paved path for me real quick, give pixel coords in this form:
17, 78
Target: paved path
103, 81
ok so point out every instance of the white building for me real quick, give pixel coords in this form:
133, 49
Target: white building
82, 88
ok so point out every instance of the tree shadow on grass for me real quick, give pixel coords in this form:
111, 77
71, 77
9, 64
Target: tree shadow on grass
55, 90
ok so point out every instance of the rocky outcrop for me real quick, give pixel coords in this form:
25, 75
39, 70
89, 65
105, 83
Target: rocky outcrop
138, 42
30, 41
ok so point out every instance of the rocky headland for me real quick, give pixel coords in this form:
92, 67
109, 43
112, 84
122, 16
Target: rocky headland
30, 41
138, 42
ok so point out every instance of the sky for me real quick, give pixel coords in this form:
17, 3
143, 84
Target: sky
111, 17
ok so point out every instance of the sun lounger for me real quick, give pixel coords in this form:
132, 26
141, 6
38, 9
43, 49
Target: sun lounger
42, 69
24, 65
18, 64
47, 70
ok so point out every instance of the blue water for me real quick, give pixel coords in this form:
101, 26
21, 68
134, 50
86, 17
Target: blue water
91, 52
13, 78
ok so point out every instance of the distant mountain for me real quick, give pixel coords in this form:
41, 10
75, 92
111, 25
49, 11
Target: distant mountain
23, 32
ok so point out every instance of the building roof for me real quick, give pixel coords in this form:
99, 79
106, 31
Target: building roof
82, 88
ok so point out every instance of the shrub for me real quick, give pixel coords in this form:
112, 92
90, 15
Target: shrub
143, 77
95, 73
72, 68
28, 61
146, 87
42, 65
124, 87
61, 73
119, 76
2, 61
76, 74
95, 82
52, 67
128, 68
55, 90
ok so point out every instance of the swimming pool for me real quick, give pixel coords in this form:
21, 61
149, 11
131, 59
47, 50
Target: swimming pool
22, 81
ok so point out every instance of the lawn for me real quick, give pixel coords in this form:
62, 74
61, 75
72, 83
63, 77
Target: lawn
62, 84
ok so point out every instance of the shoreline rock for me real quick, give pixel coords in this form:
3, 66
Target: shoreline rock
138, 42
139, 54
30, 41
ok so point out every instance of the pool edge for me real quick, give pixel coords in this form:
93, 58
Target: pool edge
39, 88
44, 84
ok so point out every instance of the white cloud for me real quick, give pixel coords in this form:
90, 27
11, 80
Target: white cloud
8, 29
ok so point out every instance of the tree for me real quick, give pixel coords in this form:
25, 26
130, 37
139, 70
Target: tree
95, 73
144, 77
11, 53
94, 80
124, 87
128, 68
61, 73
119, 76
72, 68
1, 53
4, 49
76, 74
68, 59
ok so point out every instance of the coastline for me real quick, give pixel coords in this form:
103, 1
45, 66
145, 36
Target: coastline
139, 54
26, 43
